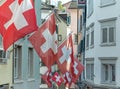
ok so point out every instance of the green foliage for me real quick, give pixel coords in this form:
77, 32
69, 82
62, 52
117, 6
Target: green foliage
60, 6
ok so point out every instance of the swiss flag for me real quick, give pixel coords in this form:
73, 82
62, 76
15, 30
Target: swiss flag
76, 70
57, 78
47, 77
65, 55
67, 79
45, 41
5, 14
20, 21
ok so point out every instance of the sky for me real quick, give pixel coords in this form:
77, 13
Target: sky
64, 1
54, 2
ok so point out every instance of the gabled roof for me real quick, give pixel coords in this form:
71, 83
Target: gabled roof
73, 5
47, 7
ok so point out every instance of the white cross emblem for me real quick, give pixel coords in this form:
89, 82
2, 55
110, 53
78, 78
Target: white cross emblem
66, 55
57, 78
67, 77
50, 41
75, 67
18, 18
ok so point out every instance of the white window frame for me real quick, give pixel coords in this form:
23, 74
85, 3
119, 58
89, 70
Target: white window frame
87, 39
75, 39
89, 8
110, 23
3, 55
92, 37
104, 3
90, 62
108, 61
18, 62
30, 62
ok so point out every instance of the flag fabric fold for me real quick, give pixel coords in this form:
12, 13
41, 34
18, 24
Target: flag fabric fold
69, 66
57, 79
76, 70
45, 41
5, 14
67, 79
65, 55
47, 77
19, 23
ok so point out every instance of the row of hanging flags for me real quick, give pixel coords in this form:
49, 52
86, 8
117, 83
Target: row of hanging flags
18, 19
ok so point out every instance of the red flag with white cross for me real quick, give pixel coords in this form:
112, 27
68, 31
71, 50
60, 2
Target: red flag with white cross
45, 41
76, 70
57, 78
47, 77
19, 21
65, 55
67, 79
5, 14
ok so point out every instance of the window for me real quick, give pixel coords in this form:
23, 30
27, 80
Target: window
0, 41
108, 33
59, 37
90, 69
108, 70
3, 58
17, 62
75, 39
30, 62
87, 41
3, 54
108, 73
107, 2
90, 8
92, 36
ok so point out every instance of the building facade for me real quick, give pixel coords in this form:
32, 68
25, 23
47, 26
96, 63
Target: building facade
26, 61
71, 9
102, 44
5, 67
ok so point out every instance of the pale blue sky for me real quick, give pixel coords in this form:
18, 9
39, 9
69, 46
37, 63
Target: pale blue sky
64, 1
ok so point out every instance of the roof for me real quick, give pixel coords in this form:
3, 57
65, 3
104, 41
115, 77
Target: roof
47, 7
73, 5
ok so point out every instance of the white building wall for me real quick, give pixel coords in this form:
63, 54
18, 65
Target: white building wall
102, 13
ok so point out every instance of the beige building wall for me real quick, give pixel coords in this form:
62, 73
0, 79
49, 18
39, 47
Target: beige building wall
73, 24
6, 72
62, 31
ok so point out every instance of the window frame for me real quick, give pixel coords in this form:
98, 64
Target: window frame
87, 39
75, 39
90, 8
30, 62
90, 61
107, 24
18, 62
92, 36
107, 61
4, 55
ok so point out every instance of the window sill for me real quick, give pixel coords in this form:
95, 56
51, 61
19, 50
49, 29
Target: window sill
90, 81
87, 48
17, 81
3, 63
107, 44
108, 83
92, 46
110, 4
31, 79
